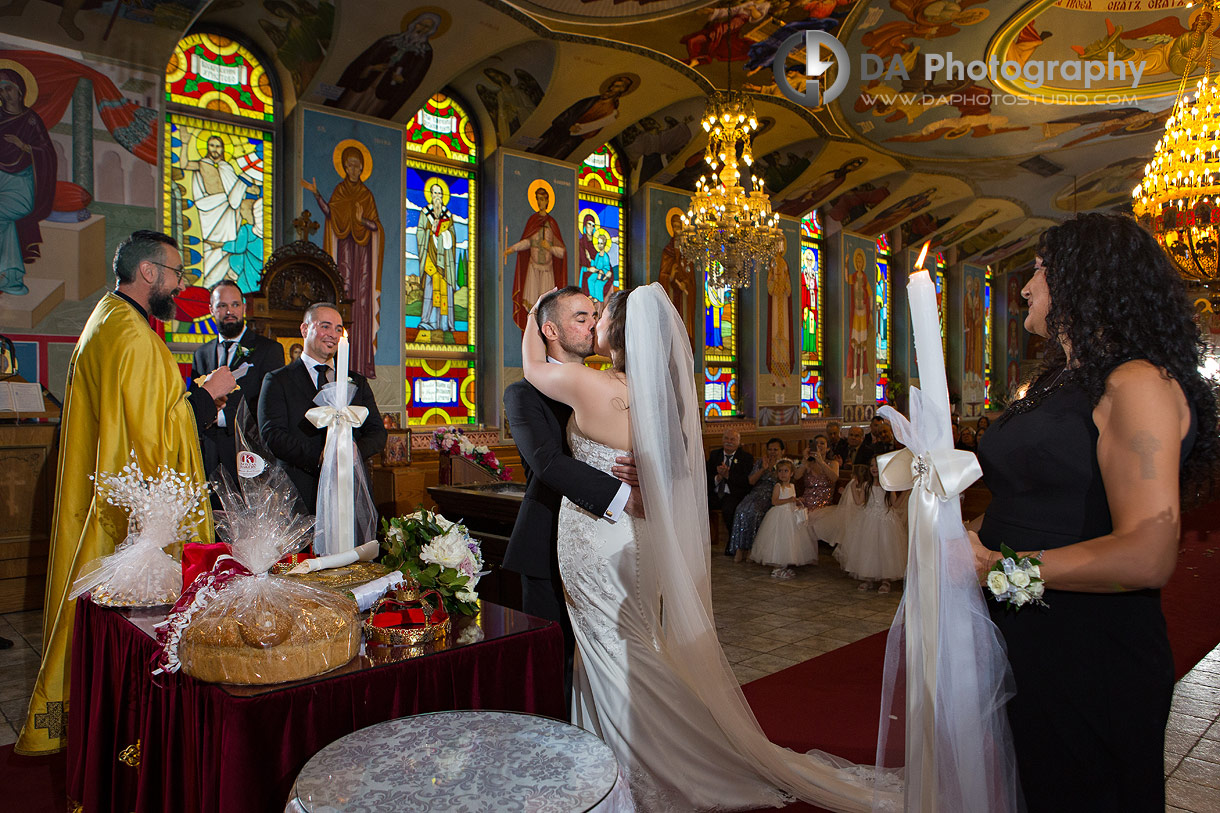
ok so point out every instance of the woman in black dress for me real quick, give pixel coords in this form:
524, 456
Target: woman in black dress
1087, 467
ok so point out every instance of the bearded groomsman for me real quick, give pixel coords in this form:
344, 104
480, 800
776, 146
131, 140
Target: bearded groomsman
235, 345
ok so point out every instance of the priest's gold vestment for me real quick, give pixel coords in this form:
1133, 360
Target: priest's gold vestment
124, 393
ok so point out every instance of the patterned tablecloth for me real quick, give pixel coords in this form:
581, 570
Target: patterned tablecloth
459, 761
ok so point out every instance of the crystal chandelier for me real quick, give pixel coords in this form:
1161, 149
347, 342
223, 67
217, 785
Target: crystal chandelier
729, 232
1179, 198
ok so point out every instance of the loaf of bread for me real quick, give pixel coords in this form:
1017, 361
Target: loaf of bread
261, 630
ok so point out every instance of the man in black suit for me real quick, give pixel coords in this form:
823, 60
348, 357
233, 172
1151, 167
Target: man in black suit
288, 393
728, 476
858, 452
236, 345
539, 424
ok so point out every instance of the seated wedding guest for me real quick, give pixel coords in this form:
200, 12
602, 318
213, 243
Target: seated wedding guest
834, 437
1086, 472
820, 470
782, 540
966, 441
237, 344
728, 476
885, 439
124, 395
752, 509
874, 431
858, 452
955, 431
982, 423
288, 393
978, 437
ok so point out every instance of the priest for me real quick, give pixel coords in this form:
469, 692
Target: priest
124, 394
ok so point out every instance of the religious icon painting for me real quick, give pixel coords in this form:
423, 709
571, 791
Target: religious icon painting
974, 391
439, 303
859, 293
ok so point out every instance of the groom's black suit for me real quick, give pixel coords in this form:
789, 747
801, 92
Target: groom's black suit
551, 473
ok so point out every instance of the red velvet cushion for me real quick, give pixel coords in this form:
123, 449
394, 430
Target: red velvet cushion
70, 198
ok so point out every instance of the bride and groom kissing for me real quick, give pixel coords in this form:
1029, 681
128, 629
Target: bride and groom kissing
648, 674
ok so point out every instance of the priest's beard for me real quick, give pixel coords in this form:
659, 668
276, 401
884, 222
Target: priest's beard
161, 303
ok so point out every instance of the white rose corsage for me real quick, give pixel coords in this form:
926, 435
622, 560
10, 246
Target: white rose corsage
1016, 581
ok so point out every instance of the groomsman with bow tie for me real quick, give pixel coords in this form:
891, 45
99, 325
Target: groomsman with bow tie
728, 476
236, 344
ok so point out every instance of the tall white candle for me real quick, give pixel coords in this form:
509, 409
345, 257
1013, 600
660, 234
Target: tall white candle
929, 353
341, 367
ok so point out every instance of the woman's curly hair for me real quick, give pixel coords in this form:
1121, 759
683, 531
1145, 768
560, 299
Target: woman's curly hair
1116, 297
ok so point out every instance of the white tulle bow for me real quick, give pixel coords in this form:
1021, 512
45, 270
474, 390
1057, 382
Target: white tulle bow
325, 417
335, 531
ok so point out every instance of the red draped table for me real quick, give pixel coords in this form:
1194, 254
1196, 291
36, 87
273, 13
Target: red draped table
141, 743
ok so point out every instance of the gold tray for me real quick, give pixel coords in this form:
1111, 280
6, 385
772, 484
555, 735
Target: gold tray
341, 579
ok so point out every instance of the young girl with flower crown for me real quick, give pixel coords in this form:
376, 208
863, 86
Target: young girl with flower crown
782, 540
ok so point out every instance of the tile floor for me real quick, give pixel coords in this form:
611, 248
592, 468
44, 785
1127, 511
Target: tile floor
773, 624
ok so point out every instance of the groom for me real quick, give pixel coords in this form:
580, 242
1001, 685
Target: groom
567, 318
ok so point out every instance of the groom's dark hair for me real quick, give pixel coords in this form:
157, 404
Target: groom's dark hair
548, 305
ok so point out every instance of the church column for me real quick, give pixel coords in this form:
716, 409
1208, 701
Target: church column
82, 135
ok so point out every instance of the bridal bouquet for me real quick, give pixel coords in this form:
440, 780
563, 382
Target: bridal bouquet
452, 441
437, 553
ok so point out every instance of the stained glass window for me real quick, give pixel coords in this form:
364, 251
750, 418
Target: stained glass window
218, 186
440, 391
603, 172
882, 306
442, 129
212, 72
601, 249
720, 392
811, 226
811, 316
987, 339
440, 302
938, 277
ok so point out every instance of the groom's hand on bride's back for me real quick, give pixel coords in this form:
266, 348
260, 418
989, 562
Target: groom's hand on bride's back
625, 471
635, 504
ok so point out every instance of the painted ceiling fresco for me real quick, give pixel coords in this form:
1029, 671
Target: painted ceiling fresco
969, 123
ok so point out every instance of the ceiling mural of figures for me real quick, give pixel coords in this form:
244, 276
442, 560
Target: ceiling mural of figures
907, 145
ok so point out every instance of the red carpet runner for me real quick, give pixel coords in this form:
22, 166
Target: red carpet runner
840, 689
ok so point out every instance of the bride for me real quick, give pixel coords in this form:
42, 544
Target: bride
650, 676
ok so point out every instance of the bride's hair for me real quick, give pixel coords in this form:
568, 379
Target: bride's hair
616, 336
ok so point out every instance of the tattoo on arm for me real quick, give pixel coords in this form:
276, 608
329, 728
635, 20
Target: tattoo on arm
1146, 445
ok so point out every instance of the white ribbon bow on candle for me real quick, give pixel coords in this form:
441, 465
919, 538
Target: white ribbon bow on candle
336, 525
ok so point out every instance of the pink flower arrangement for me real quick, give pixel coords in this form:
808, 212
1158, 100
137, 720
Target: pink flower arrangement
453, 441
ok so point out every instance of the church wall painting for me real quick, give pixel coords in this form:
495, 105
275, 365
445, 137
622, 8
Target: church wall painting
97, 180
379, 80
537, 239
779, 304
859, 270
437, 302
300, 32
974, 392
586, 118
666, 265
352, 176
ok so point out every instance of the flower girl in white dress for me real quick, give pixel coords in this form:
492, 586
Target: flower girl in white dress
782, 539
874, 540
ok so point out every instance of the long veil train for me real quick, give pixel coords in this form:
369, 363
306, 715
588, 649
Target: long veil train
668, 446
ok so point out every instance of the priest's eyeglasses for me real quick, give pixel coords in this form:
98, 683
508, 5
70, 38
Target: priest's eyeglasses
179, 272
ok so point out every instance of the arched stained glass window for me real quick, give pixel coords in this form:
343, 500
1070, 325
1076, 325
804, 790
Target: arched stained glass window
212, 72
440, 303
720, 352
601, 249
882, 306
218, 184
812, 280
938, 277
442, 129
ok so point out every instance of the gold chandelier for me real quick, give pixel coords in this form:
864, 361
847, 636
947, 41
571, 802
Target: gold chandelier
729, 232
1179, 198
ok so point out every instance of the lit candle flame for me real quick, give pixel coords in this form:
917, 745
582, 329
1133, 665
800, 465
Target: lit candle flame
922, 256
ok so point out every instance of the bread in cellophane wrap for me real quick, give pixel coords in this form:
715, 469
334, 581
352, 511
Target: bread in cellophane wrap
238, 623
163, 510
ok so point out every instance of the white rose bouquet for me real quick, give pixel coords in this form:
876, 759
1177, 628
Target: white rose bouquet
437, 553
1016, 580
